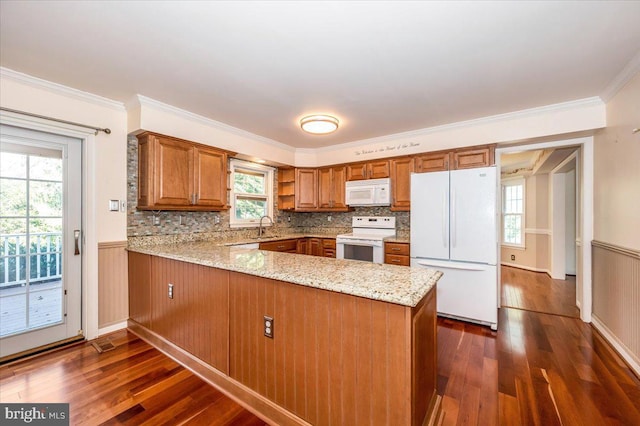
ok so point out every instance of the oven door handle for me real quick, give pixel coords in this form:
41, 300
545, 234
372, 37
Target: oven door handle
363, 243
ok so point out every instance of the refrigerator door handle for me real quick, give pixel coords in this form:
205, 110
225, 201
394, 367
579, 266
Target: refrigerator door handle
453, 217
444, 219
450, 265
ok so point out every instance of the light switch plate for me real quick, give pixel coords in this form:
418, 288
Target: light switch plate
114, 205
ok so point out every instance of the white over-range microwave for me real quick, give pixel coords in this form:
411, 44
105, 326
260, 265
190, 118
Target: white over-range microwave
371, 192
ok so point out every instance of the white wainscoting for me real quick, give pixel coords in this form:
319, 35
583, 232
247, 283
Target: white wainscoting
616, 298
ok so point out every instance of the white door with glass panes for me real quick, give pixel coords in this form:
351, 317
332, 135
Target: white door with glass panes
40, 239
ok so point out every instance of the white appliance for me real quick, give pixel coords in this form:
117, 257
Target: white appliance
371, 192
366, 241
453, 230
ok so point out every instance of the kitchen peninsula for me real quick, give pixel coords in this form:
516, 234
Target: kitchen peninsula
297, 339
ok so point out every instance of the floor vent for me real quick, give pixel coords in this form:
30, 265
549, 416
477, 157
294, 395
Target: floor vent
103, 346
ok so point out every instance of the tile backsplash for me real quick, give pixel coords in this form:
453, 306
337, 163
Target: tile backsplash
144, 223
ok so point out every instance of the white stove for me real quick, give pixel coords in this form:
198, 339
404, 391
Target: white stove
366, 241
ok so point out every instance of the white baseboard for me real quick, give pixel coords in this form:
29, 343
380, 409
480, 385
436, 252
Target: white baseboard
111, 328
527, 268
623, 351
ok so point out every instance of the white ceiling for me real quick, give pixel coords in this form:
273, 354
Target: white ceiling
535, 161
380, 67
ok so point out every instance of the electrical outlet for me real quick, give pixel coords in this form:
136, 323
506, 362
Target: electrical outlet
156, 220
513, 257
216, 219
329, 218
288, 218
170, 291
268, 327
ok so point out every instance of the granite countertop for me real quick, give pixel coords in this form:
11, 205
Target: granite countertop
268, 238
397, 239
388, 283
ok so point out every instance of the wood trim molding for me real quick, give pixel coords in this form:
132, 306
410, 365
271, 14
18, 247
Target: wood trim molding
537, 231
61, 89
526, 268
620, 348
256, 403
617, 249
112, 244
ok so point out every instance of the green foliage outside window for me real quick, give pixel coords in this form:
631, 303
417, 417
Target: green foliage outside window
251, 199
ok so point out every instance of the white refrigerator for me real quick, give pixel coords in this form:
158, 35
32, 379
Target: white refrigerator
453, 230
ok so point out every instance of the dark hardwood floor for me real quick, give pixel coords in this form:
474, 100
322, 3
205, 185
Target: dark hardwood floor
537, 369
555, 370
537, 291
132, 384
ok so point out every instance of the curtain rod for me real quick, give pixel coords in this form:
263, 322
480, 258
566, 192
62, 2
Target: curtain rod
97, 129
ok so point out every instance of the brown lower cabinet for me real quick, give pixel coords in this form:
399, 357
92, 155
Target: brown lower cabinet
302, 246
333, 359
397, 253
325, 247
286, 246
329, 247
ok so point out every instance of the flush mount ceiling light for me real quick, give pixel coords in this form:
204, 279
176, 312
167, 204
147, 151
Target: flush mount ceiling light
319, 124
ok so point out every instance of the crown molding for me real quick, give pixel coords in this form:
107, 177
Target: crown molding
628, 72
152, 103
564, 106
60, 89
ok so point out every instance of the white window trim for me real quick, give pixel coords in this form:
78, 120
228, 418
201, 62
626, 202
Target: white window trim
513, 182
233, 222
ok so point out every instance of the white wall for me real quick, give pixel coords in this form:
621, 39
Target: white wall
535, 255
110, 173
569, 117
617, 171
147, 114
570, 222
516, 126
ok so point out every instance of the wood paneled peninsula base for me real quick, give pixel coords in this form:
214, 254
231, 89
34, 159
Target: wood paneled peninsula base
351, 342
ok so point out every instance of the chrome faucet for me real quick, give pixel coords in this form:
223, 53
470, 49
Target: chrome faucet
260, 230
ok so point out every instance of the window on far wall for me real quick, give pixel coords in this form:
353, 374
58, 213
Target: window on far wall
251, 193
513, 212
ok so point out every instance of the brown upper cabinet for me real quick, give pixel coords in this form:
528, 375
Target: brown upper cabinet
309, 189
286, 189
174, 174
323, 189
432, 162
371, 170
331, 188
468, 158
401, 169
306, 189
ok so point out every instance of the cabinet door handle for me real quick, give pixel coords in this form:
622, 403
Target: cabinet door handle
395, 249
395, 261
280, 247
